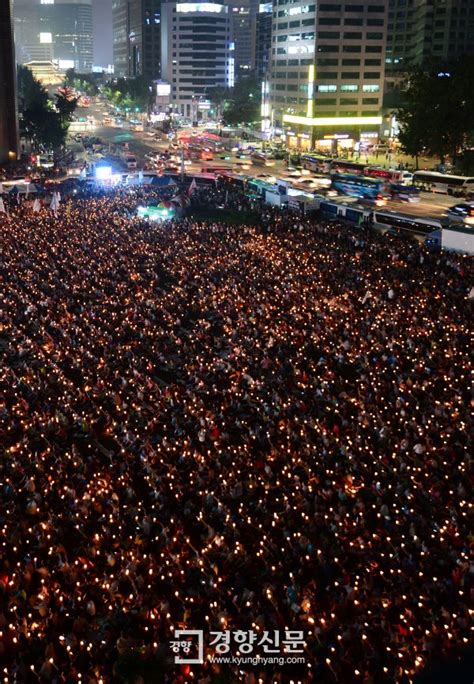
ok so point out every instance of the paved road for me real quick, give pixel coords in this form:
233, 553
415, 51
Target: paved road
433, 205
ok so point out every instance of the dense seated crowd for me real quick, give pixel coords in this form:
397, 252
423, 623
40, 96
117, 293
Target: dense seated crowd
229, 428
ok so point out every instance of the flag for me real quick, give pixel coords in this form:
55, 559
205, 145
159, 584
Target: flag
2, 206
192, 187
36, 206
55, 202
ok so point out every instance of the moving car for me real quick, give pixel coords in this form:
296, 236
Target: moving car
406, 193
462, 213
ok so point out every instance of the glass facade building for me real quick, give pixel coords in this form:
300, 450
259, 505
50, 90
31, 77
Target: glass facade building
59, 30
137, 38
263, 40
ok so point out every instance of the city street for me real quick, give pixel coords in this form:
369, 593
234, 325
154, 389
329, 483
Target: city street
140, 144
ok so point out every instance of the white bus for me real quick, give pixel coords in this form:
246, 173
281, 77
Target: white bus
430, 181
388, 221
458, 239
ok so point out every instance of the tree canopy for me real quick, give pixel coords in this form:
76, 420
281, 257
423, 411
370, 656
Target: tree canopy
132, 94
437, 116
85, 83
237, 105
43, 122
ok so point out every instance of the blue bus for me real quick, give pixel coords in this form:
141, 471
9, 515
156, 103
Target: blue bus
360, 186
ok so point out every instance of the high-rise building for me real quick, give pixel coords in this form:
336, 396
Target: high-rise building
327, 68
243, 26
8, 101
137, 38
26, 23
263, 40
120, 36
59, 30
421, 31
197, 53
69, 23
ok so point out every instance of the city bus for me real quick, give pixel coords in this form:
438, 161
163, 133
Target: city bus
430, 181
458, 238
235, 179
359, 186
392, 222
211, 143
259, 186
316, 163
352, 213
346, 166
390, 175
216, 169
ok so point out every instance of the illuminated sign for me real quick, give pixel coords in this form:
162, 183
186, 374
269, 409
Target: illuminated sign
103, 172
292, 11
46, 38
187, 7
152, 213
231, 73
163, 89
66, 64
333, 121
309, 111
300, 49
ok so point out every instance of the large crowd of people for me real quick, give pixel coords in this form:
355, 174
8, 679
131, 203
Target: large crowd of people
211, 427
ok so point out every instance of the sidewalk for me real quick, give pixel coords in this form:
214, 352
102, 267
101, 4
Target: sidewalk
373, 160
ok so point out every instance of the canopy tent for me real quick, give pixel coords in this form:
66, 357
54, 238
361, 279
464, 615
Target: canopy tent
25, 188
162, 181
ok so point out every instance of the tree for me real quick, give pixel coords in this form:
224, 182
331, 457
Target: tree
40, 123
412, 134
66, 105
437, 116
84, 83
130, 94
239, 105
219, 97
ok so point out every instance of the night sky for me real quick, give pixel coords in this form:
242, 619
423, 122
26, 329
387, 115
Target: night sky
102, 32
